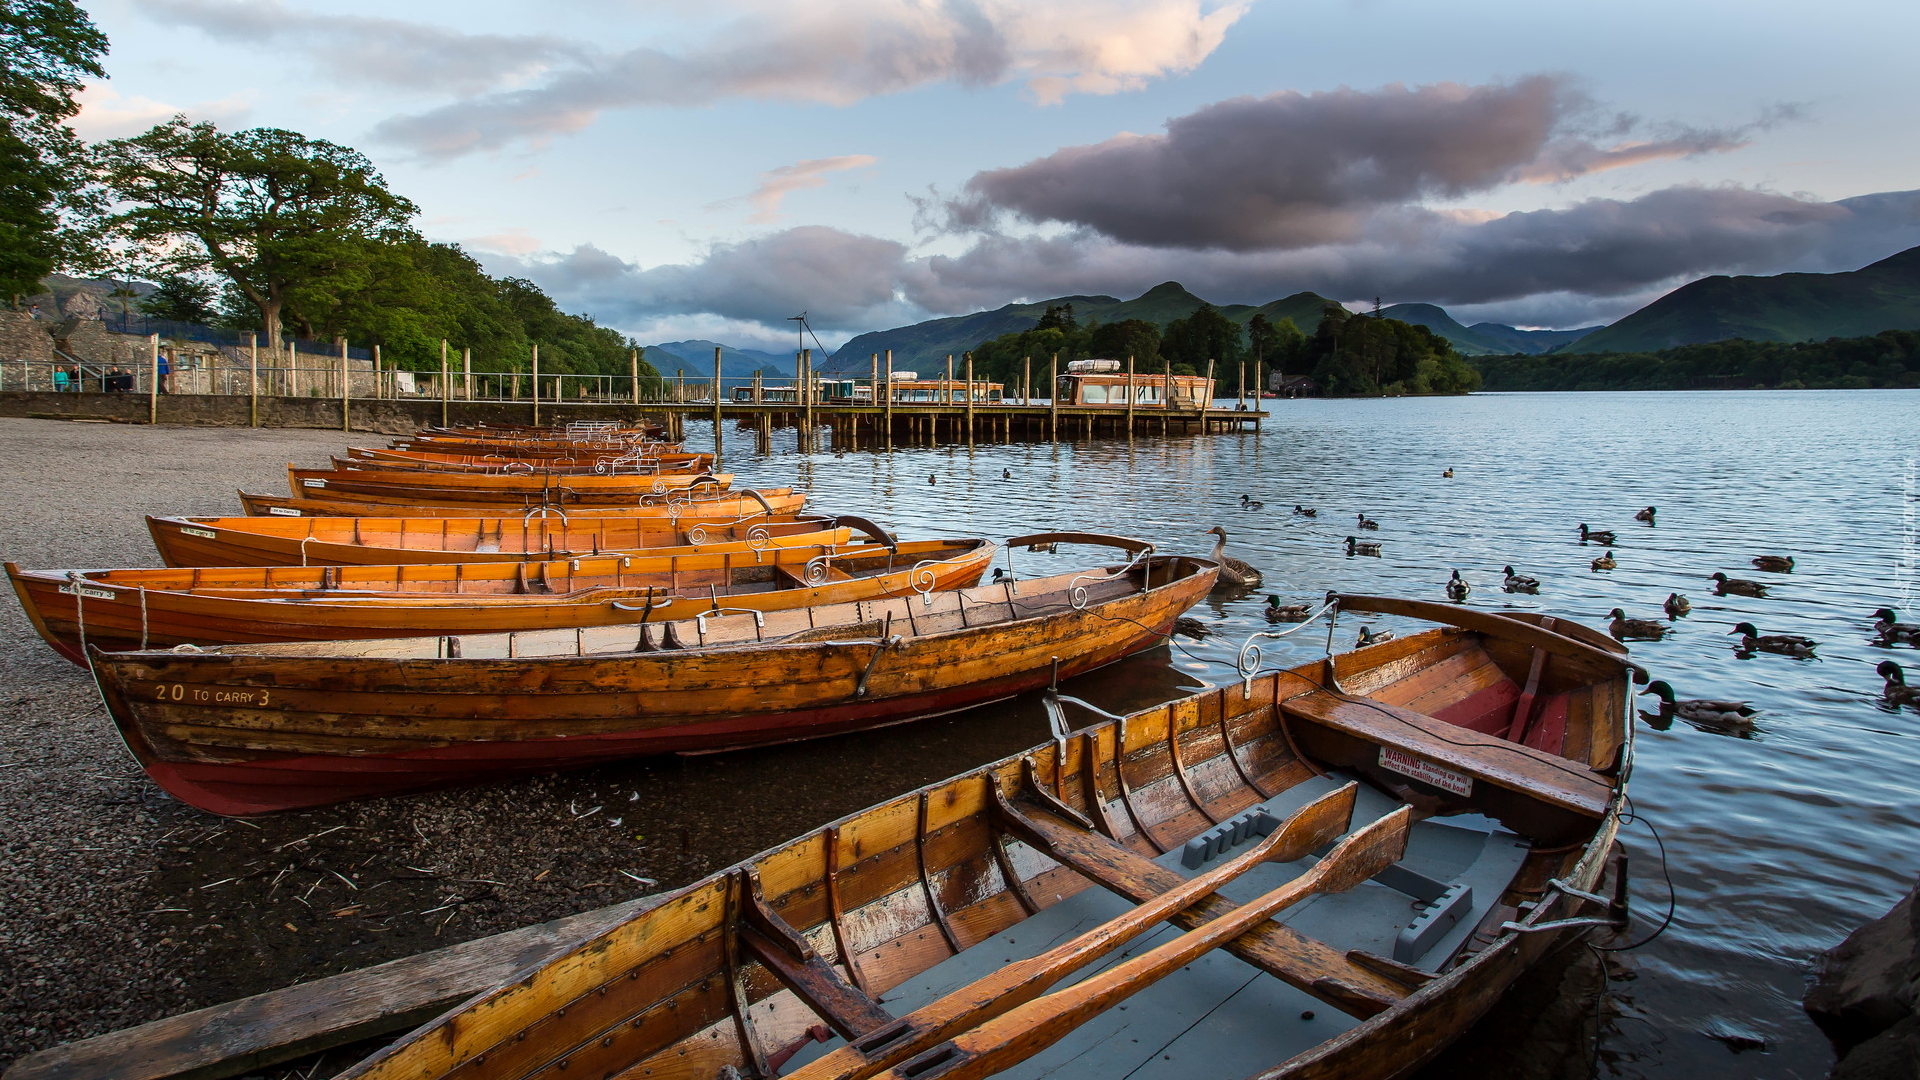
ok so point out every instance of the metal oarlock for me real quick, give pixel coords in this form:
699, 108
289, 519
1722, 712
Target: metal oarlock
1617, 913
1247, 663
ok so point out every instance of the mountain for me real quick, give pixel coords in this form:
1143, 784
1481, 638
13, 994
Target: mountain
696, 359
1483, 339
1786, 307
924, 346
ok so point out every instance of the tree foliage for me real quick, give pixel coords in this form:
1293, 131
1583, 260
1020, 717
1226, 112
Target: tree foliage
1202, 336
1363, 355
47, 49
182, 299
1890, 358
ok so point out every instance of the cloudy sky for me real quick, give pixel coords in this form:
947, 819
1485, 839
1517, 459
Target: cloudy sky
682, 169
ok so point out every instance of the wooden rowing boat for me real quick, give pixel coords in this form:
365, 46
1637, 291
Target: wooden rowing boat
673, 504
1025, 919
243, 729
139, 609
380, 541
599, 464
413, 488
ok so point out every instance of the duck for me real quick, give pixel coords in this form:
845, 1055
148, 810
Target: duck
1733, 586
1188, 626
1234, 574
1897, 692
1625, 629
1306, 511
1366, 522
1701, 711
1677, 606
1448, 475
1357, 546
1892, 631
1457, 588
1520, 583
1605, 562
1370, 636
1751, 640
1279, 612
1603, 537
932, 480
1006, 474
1248, 502
1774, 564
1645, 515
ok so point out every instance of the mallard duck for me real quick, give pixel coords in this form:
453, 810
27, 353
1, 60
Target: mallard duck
1698, 711
1306, 511
1625, 629
1645, 515
1248, 502
1457, 588
1279, 612
1006, 474
1897, 691
1370, 636
1892, 631
1733, 586
1448, 475
1188, 626
1367, 523
1774, 564
932, 480
1043, 549
1520, 583
1234, 574
1751, 640
1602, 537
1677, 605
1605, 562
1362, 547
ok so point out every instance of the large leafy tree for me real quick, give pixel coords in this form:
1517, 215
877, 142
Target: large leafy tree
280, 217
1204, 335
47, 48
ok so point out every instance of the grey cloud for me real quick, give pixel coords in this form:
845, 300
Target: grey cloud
1293, 170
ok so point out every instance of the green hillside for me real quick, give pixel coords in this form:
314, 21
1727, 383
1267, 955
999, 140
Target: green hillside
1787, 307
696, 359
1484, 339
1889, 359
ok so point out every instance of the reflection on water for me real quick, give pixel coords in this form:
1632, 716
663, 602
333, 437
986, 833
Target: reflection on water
1780, 839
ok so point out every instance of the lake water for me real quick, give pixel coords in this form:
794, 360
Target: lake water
1778, 844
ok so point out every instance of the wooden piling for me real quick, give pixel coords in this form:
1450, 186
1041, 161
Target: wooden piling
536, 384
1259, 384
806, 400
1053, 399
444, 381
889, 405
153, 382
1133, 395
969, 399
1206, 398
1026, 381
253, 380
716, 408
346, 386
633, 364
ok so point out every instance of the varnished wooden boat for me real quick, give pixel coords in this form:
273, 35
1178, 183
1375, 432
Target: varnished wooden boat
380, 541
139, 609
708, 501
1478, 772
413, 488
488, 464
242, 729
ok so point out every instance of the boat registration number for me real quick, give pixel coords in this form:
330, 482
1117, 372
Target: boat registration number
1425, 771
87, 590
282, 511
204, 534
313, 483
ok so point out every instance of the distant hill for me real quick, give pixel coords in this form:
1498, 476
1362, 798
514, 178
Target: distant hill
924, 346
1786, 307
696, 358
1483, 339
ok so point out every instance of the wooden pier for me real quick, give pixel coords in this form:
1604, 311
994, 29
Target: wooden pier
867, 426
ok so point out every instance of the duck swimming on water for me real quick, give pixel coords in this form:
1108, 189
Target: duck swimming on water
1645, 515
1306, 511
1234, 574
1520, 583
1601, 537
1248, 502
1733, 586
1677, 605
1892, 631
1752, 640
1357, 546
1279, 612
1897, 691
1625, 629
1367, 523
1774, 564
1700, 711
1457, 588
1605, 562
1370, 636
1448, 475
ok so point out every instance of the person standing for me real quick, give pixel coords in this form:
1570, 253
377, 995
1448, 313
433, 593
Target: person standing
59, 380
166, 373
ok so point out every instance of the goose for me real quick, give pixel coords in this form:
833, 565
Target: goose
1448, 475
1362, 547
1624, 629
1774, 564
1897, 691
1733, 586
1188, 626
1248, 502
1234, 574
1305, 511
1279, 612
1603, 537
1458, 589
1699, 711
1751, 640
1370, 636
1605, 562
1645, 515
1520, 583
1892, 631
1677, 605
1367, 523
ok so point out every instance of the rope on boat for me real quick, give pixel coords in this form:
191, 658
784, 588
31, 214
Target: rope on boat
80, 608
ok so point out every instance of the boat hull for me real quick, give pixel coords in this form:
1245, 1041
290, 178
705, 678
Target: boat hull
724, 506
402, 487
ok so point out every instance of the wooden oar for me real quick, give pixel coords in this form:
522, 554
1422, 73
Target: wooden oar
1024, 1031
1313, 827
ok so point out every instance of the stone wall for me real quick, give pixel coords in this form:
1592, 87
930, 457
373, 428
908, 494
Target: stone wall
23, 337
388, 416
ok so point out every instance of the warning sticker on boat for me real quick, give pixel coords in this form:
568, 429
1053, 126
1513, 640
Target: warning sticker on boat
1425, 771
85, 590
283, 511
204, 534
314, 483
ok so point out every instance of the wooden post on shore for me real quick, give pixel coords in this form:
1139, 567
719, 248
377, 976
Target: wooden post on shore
536, 384
1026, 382
466, 372
346, 420
1166, 391
948, 383
253, 380
293, 370
888, 420
1053, 399
1132, 395
1241, 400
633, 362
716, 408
153, 382
1259, 383
446, 387
969, 399
377, 392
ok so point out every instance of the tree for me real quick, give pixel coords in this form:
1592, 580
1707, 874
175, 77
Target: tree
182, 299
47, 47
1137, 338
278, 215
1202, 336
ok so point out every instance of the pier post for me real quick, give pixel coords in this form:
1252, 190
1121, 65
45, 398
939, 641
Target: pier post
1241, 400
466, 373
445, 389
1206, 398
1259, 384
1053, 399
806, 400
889, 406
253, 381
716, 408
1026, 382
153, 381
346, 384
536, 384
1133, 395
633, 364
969, 399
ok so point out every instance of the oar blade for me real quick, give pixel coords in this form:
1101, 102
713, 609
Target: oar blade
1365, 853
1314, 825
